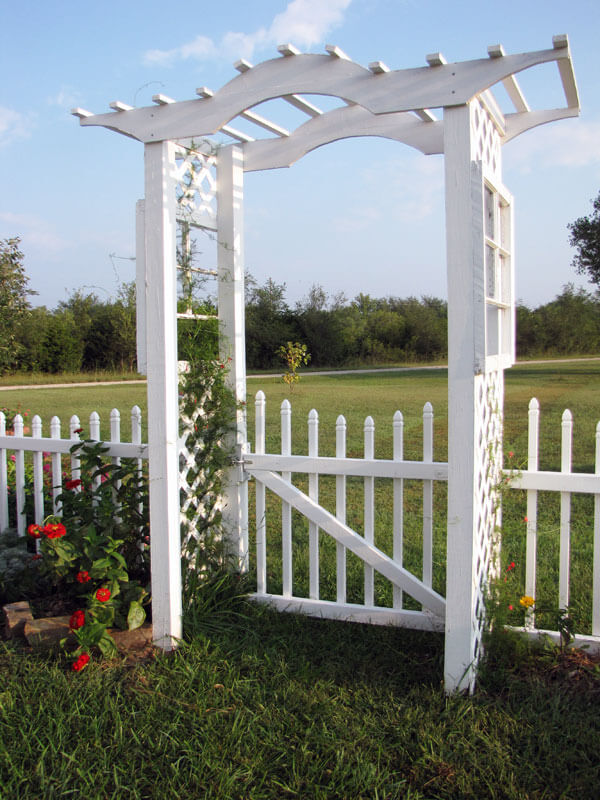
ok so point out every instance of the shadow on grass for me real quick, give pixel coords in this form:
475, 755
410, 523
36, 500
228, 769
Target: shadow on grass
344, 653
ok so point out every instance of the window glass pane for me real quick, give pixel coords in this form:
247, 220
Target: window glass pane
489, 202
505, 287
505, 227
490, 271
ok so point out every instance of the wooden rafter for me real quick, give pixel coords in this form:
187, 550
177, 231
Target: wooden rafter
376, 89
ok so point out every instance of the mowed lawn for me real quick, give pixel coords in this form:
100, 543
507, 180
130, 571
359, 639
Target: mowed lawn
261, 705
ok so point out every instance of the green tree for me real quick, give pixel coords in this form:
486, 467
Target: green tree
14, 304
585, 237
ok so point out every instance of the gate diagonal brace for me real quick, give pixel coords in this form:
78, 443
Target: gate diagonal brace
368, 553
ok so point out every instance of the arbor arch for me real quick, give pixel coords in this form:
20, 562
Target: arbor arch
439, 108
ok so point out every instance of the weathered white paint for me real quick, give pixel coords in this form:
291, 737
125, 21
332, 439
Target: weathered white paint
230, 265
140, 287
163, 404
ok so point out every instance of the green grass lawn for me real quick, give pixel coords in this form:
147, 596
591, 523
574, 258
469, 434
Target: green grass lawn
263, 705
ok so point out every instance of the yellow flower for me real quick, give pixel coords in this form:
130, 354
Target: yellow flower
527, 601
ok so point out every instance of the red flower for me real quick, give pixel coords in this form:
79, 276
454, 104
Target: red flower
510, 454
36, 557
510, 608
103, 594
525, 519
83, 576
77, 620
54, 530
35, 531
73, 484
510, 566
80, 662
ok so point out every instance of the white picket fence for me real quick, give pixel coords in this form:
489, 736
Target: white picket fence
566, 483
532, 480
52, 450
54, 447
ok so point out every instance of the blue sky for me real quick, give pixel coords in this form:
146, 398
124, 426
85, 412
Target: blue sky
360, 215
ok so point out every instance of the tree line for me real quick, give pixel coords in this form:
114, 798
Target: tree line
85, 333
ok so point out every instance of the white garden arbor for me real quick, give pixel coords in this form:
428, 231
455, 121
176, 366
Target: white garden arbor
444, 108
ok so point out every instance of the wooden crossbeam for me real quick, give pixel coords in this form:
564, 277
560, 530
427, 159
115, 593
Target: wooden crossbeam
513, 89
162, 99
336, 52
117, 105
435, 60
565, 68
272, 127
293, 99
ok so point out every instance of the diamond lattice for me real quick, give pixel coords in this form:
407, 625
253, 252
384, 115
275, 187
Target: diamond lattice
488, 449
192, 475
486, 140
196, 183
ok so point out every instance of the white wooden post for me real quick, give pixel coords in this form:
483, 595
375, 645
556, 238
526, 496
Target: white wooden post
140, 286
230, 266
163, 406
474, 394
3, 479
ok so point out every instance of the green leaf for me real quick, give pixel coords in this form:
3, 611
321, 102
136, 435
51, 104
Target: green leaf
105, 614
107, 646
136, 615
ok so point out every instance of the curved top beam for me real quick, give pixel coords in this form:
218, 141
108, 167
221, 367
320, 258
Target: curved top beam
343, 123
380, 93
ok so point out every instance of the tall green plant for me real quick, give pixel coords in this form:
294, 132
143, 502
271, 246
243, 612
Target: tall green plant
207, 414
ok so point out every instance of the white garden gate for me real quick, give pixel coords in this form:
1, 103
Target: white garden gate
203, 186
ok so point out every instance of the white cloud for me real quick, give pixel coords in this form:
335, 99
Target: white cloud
571, 143
303, 22
14, 125
35, 232
66, 97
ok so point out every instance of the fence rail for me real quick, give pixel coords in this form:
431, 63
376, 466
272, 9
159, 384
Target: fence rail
54, 448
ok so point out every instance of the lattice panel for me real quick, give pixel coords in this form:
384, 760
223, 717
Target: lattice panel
196, 184
488, 448
192, 476
486, 140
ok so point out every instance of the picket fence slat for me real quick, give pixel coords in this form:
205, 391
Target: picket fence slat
261, 522
340, 509
596, 564
3, 476
565, 511
38, 473
286, 509
428, 496
313, 493
369, 508
56, 467
398, 501
20, 476
533, 438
